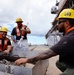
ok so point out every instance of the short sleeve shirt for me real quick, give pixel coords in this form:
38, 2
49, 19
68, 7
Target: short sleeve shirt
9, 42
65, 48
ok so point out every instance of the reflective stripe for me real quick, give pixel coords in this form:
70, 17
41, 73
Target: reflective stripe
0, 41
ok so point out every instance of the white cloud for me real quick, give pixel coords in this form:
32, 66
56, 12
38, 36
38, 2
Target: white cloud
35, 12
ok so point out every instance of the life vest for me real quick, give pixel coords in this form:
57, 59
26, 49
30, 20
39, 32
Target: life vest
2, 48
20, 32
0, 36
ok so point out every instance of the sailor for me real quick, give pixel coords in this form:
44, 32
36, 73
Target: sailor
19, 35
64, 48
5, 43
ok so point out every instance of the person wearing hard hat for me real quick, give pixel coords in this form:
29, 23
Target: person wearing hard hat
20, 32
5, 44
64, 48
1, 33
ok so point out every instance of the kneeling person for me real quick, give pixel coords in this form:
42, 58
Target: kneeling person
5, 44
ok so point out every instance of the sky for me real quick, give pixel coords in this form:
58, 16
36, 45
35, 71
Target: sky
36, 14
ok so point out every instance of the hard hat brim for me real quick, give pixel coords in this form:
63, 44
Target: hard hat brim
18, 21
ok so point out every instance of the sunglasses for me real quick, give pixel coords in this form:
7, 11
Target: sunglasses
61, 21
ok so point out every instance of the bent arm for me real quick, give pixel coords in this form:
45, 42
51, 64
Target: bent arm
9, 48
28, 30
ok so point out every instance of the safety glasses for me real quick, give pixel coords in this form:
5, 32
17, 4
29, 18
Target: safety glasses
59, 22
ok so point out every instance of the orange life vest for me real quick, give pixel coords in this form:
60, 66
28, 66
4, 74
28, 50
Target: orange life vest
22, 30
0, 36
2, 48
